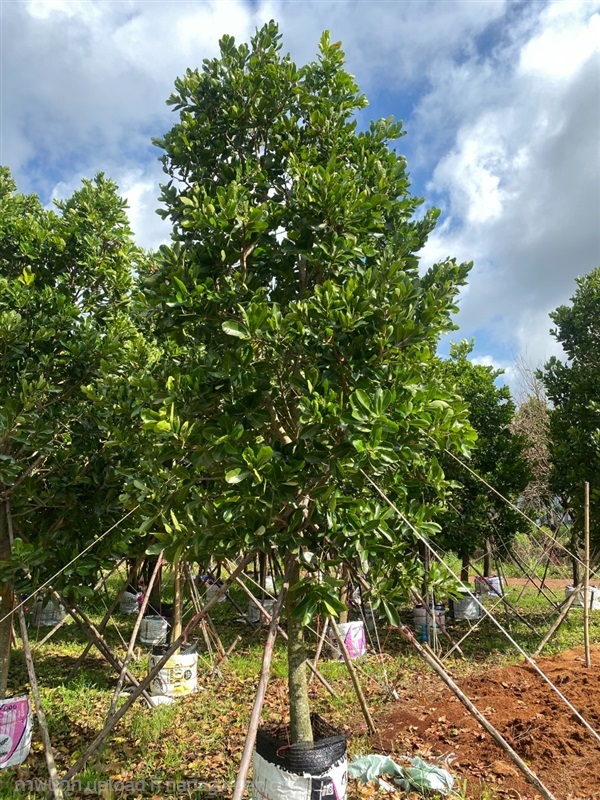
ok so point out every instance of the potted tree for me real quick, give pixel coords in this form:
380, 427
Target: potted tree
299, 332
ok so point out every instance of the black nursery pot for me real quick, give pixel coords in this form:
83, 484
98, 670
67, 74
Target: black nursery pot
319, 770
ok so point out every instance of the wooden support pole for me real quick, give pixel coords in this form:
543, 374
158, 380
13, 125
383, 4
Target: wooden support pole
586, 576
41, 717
225, 655
35, 691
99, 642
49, 635
177, 599
437, 667
130, 648
261, 689
558, 621
353, 677
109, 611
320, 642
145, 683
284, 636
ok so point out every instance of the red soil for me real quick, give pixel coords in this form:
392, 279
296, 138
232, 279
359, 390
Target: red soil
429, 720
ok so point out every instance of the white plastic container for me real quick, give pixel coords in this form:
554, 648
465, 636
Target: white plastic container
211, 591
353, 635
178, 677
424, 622
47, 615
466, 606
492, 585
153, 630
254, 614
593, 596
129, 603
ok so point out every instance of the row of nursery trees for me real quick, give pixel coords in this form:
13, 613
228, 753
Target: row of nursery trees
237, 390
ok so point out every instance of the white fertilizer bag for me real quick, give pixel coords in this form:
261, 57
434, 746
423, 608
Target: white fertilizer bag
298, 772
16, 724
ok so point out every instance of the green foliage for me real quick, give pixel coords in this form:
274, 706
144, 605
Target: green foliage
298, 329
66, 284
473, 512
573, 388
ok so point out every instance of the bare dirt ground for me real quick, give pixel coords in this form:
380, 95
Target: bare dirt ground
429, 719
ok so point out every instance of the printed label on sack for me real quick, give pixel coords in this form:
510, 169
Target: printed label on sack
15, 731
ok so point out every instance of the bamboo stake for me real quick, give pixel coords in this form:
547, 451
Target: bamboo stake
177, 599
284, 636
107, 616
495, 734
353, 677
130, 648
225, 656
320, 642
586, 576
50, 634
240, 781
41, 717
122, 710
558, 621
99, 642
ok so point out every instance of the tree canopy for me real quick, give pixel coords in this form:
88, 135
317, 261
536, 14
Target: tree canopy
298, 327
573, 388
66, 283
473, 512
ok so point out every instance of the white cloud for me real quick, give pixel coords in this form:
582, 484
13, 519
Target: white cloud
502, 102
520, 183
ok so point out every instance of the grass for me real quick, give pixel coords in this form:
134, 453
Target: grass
201, 736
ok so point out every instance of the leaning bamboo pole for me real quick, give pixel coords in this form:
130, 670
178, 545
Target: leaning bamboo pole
261, 689
586, 576
39, 710
145, 683
438, 668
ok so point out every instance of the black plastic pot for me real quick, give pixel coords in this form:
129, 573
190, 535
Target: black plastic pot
323, 764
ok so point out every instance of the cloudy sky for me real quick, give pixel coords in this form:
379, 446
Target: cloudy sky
500, 100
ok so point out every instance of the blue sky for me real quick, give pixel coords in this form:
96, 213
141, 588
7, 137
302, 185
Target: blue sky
500, 101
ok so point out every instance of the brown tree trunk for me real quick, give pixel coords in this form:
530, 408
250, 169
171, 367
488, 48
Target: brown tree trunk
487, 559
300, 725
574, 548
464, 570
177, 601
7, 602
343, 618
155, 595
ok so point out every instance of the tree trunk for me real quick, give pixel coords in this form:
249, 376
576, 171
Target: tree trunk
155, 595
177, 601
343, 618
7, 602
300, 725
487, 559
464, 570
574, 548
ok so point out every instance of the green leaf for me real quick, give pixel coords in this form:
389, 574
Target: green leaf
237, 329
236, 475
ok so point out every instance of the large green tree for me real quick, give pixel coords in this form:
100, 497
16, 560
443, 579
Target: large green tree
475, 515
299, 331
66, 280
573, 388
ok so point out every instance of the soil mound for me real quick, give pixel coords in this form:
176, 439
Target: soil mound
430, 720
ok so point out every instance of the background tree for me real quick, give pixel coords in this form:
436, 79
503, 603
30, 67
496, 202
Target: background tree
474, 514
299, 332
573, 388
66, 284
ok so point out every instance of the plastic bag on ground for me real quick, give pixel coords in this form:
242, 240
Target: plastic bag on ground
419, 776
